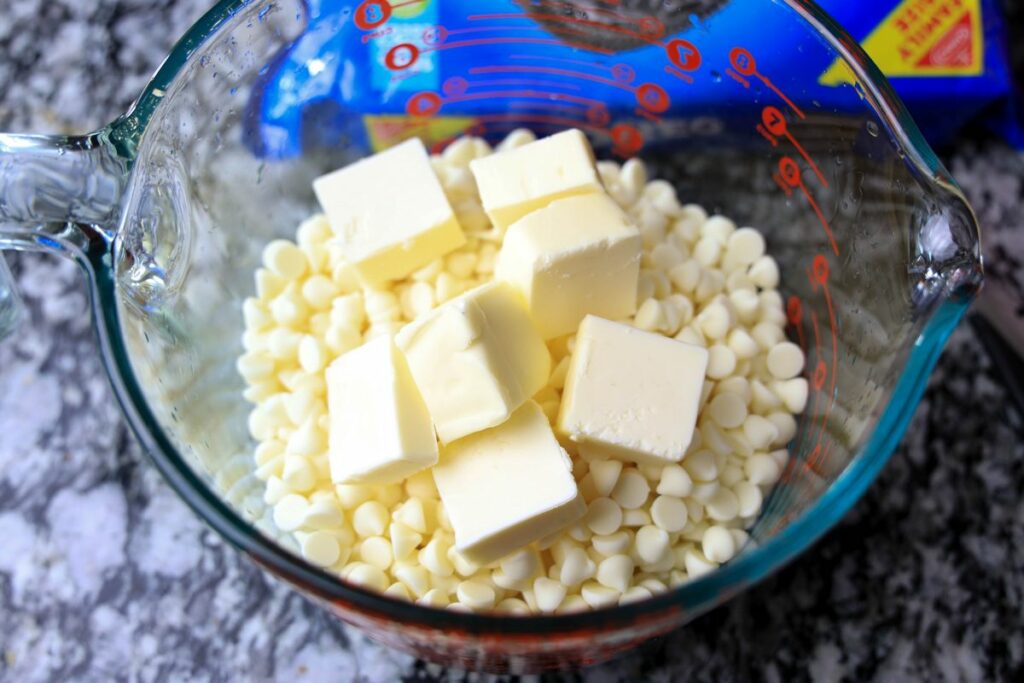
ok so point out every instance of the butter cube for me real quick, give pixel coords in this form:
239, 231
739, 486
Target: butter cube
508, 486
575, 256
521, 180
630, 394
476, 359
389, 213
380, 431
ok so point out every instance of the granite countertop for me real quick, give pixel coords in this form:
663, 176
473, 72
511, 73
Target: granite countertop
105, 575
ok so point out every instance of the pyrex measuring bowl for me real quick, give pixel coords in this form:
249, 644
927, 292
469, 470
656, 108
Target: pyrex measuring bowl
167, 210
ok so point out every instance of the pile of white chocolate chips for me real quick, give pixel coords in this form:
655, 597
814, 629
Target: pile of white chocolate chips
527, 383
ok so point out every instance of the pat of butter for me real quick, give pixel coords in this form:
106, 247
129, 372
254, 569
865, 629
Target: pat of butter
575, 256
521, 180
389, 212
630, 394
380, 431
476, 359
506, 487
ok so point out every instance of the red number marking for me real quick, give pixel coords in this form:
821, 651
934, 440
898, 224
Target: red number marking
742, 61
423, 104
683, 54
598, 115
372, 13
774, 121
820, 269
435, 35
401, 56
794, 310
653, 98
651, 28
623, 73
820, 372
789, 171
627, 139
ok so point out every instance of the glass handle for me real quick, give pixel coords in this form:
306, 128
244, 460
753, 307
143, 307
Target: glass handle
56, 194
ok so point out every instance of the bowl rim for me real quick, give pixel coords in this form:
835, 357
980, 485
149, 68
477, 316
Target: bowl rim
692, 598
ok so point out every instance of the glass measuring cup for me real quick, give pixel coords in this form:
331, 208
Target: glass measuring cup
167, 210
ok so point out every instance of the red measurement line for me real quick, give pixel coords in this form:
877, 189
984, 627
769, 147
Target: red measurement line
685, 77
517, 41
782, 183
525, 81
558, 18
821, 217
807, 157
578, 62
771, 86
553, 71
650, 116
407, 2
835, 355
736, 77
801, 337
486, 29
535, 94
609, 2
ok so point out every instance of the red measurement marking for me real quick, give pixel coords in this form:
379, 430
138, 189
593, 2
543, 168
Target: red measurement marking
524, 94
517, 41
683, 54
407, 2
795, 316
552, 71
401, 56
578, 62
371, 13
562, 19
782, 184
435, 35
599, 115
628, 140
817, 333
488, 29
651, 28
623, 73
818, 378
526, 81
672, 71
736, 77
653, 98
644, 114
814, 460
775, 122
377, 34
790, 172
745, 64
742, 61
456, 85
423, 104
767, 136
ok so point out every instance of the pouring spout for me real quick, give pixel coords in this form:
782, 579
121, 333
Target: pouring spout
57, 194
946, 262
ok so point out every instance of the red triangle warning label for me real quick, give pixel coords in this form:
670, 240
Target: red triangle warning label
954, 49
923, 38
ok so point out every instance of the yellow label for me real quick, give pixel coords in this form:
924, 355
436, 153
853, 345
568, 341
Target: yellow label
923, 38
389, 129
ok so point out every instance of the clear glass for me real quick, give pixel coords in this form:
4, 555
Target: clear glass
167, 210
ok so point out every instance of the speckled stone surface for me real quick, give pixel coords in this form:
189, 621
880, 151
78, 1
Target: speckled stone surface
105, 575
